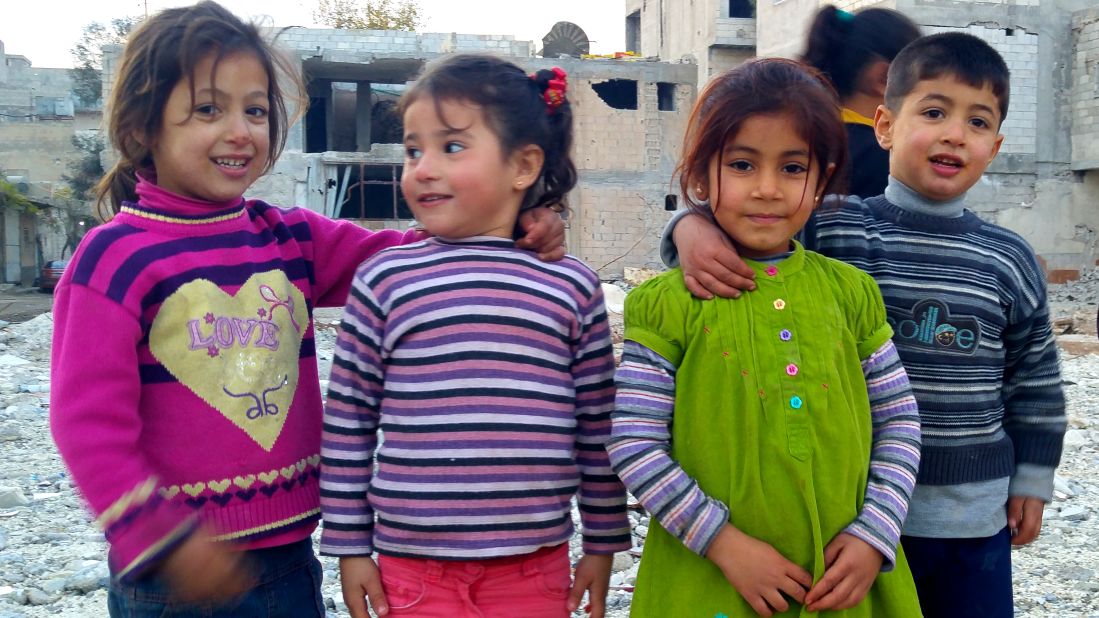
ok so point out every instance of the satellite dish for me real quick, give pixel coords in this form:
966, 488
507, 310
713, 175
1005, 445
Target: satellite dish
564, 39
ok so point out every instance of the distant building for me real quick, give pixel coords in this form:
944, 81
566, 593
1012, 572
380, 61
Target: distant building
1045, 182
344, 157
38, 118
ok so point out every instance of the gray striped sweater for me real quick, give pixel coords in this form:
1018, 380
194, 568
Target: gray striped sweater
967, 303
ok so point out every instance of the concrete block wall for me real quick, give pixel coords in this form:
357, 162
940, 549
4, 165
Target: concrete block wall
1085, 90
854, 5
362, 45
44, 149
1020, 52
618, 219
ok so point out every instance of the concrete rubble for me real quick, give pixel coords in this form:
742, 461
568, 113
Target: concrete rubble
53, 560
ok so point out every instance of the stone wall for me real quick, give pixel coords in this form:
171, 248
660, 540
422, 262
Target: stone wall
42, 150
1085, 90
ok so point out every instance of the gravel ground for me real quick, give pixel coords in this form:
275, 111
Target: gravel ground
52, 559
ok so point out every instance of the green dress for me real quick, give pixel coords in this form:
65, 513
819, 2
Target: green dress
772, 418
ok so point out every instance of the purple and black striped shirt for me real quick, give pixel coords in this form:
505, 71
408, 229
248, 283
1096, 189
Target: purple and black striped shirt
490, 375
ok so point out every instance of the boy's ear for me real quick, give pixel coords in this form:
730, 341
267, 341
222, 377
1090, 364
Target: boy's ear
883, 126
528, 166
996, 147
823, 182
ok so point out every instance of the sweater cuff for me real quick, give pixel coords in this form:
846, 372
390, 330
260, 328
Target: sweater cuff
669, 254
1032, 481
866, 534
704, 529
146, 542
343, 543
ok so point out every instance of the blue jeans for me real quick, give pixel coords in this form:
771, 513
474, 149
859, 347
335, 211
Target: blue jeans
288, 586
962, 577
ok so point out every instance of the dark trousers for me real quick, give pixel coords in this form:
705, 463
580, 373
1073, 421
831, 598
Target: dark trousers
288, 585
962, 578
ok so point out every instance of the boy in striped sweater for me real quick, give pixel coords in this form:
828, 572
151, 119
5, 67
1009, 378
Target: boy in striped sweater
967, 303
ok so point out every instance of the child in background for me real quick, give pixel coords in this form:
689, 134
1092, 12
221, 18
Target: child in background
185, 397
854, 50
773, 437
490, 373
967, 301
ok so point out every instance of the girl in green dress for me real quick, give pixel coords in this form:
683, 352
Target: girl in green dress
773, 437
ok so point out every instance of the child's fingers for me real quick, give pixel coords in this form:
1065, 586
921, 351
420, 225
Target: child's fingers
1014, 514
597, 607
836, 594
775, 600
827, 584
576, 593
793, 589
760, 606
553, 255
1031, 522
799, 575
831, 552
356, 603
377, 598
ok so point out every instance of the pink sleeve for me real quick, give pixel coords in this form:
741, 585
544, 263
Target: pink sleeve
95, 394
338, 249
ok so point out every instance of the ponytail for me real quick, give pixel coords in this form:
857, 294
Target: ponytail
118, 185
841, 45
558, 170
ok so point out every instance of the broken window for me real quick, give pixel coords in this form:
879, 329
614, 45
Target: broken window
742, 8
365, 191
618, 93
665, 97
350, 116
633, 32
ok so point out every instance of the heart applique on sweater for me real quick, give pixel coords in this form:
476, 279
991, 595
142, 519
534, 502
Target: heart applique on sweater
238, 352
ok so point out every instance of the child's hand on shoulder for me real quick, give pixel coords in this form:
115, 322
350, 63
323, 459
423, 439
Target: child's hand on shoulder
593, 574
851, 566
758, 571
203, 570
1024, 518
360, 580
544, 233
709, 261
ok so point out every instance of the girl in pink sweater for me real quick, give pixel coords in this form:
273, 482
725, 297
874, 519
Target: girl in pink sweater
185, 395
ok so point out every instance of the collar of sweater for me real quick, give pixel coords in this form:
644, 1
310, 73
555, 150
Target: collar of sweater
903, 205
786, 263
156, 204
482, 241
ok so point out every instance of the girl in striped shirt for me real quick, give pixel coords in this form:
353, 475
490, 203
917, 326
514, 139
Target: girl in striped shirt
489, 373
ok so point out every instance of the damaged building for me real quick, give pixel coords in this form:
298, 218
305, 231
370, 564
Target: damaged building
344, 157
1045, 182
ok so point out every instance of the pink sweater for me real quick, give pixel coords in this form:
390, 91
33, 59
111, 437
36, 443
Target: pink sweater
184, 374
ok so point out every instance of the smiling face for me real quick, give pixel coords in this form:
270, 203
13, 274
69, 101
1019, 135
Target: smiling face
215, 147
763, 186
457, 179
942, 138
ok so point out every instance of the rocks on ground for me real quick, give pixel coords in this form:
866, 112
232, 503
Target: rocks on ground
53, 560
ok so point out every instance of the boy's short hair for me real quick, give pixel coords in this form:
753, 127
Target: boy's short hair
962, 56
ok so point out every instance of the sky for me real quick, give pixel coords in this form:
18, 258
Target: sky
46, 32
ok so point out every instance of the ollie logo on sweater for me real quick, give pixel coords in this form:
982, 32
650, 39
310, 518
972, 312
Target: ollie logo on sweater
932, 327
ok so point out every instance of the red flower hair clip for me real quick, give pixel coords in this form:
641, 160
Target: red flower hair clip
555, 89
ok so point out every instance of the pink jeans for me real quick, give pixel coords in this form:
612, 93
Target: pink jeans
532, 586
